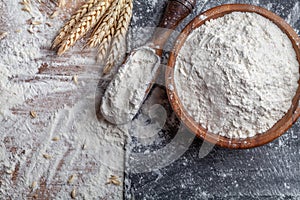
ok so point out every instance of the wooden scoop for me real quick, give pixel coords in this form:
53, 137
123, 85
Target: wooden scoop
123, 98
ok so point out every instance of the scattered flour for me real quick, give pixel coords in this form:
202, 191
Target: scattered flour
236, 75
292, 17
126, 92
64, 110
202, 17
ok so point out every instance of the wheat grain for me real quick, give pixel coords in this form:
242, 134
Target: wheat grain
36, 23
83, 147
75, 79
30, 30
33, 185
116, 182
25, 2
26, 5
3, 35
73, 21
46, 156
54, 14
55, 139
33, 114
118, 43
73, 194
48, 24
113, 180
71, 179
9, 171
88, 21
26, 9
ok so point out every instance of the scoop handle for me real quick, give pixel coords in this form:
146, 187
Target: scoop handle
175, 12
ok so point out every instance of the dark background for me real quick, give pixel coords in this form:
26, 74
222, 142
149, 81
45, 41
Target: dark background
268, 172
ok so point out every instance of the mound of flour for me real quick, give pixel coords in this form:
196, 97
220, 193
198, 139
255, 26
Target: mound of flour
237, 75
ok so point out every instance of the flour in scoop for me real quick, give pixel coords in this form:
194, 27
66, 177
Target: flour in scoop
126, 92
237, 75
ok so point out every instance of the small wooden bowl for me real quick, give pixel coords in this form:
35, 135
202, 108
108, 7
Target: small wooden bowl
260, 139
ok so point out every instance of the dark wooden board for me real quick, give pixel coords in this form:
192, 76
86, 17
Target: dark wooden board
268, 172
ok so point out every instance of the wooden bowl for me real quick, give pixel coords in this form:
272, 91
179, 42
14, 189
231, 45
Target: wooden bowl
260, 139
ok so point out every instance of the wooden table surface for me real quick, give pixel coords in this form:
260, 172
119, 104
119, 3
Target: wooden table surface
33, 165
269, 172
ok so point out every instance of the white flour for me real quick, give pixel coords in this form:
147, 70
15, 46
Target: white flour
126, 92
237, 75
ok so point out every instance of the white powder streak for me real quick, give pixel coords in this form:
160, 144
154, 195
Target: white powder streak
293, 17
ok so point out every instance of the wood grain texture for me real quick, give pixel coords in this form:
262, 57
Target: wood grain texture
24, 139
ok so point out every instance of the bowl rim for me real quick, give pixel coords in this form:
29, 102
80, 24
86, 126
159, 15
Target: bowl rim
233, 143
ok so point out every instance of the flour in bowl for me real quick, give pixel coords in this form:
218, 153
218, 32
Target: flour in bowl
237, 75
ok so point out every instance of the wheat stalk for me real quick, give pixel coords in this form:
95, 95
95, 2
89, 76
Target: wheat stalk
73, 21
119, 38
88, 21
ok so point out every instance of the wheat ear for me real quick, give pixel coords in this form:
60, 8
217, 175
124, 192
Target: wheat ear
73, 21
105, 30
115, 56
119, 38
88, 21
